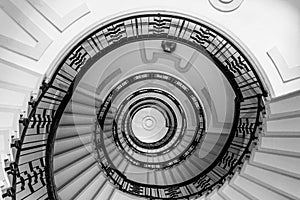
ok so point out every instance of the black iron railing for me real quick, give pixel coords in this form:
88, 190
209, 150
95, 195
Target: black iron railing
125, 134
32, 174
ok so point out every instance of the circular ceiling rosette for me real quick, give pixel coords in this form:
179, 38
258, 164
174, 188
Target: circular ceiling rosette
176, 105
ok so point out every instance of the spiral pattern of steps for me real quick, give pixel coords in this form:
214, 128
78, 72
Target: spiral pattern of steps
149, 169
77, 170
272, 172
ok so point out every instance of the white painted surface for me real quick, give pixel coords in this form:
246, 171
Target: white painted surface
258, 33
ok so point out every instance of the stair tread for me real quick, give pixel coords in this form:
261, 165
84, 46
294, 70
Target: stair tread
214, 196
232, 193
71, 171
77, 119
285, 144
69, 131
256, 190
66, 191
283, 184
93, 188
106, 192
78, 107
282, 163
285, 124
59, 161
69, 144
119, 195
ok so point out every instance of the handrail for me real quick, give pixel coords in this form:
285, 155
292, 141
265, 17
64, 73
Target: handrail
52, 193
46, 111
122, 181
199, 131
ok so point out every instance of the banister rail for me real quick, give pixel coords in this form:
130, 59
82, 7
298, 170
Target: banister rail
31, 173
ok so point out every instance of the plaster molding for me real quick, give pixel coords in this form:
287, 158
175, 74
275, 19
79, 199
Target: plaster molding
22, 76
9, 119
43, 41
285, 72
60, 23
13, 96
226, 5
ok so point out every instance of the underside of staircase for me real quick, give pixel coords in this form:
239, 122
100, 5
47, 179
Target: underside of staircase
148, 105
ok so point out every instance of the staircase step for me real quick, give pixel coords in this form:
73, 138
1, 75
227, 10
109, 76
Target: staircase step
284, 124
185, 170
70, 172
106, 192
230, 193
288, 145
35, 137
282, 133
40, 194
283, 163
78, 119
285, 104
192, 168
176, 175
65, 159
202, 198
119, 195
214, 196
93, 188
72, 130
78, 183
123, 165
170, 177
117, 160
273, 180
136, 173
32, 155
256, 191
86, 98
79, 108
68, 144
159, 176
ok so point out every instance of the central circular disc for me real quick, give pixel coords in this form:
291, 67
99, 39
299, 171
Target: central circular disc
149, 125
149, 122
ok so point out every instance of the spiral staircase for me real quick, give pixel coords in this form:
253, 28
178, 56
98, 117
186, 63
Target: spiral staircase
147, 105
